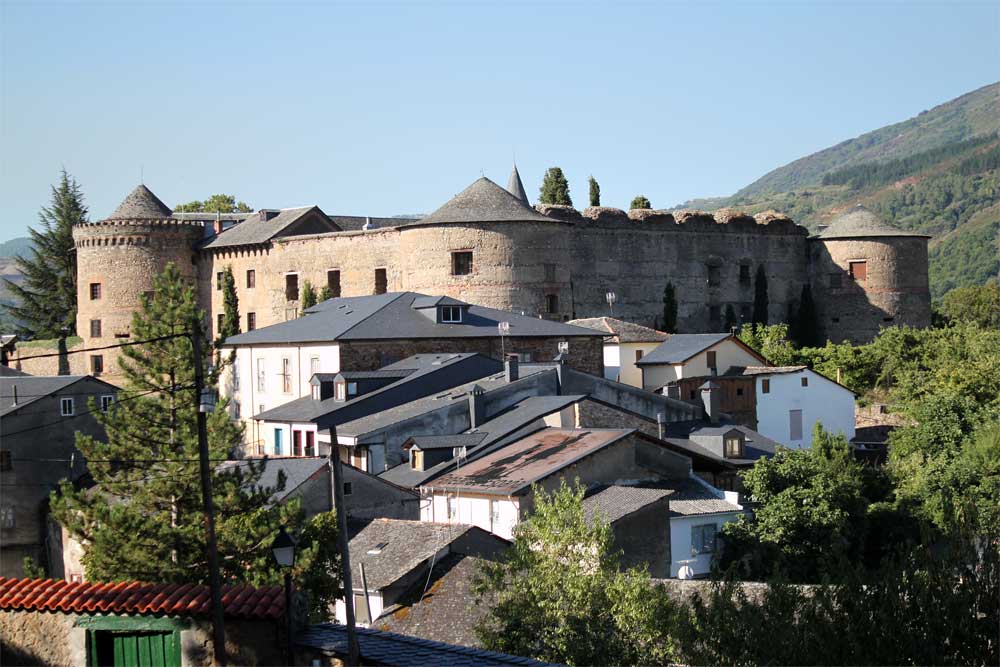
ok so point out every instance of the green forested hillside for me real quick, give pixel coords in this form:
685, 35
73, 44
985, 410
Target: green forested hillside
937, 173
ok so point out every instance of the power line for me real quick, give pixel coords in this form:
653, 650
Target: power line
186, 334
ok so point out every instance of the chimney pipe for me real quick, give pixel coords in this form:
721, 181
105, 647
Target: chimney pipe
710, 398
510, 368
674, 390
476, 407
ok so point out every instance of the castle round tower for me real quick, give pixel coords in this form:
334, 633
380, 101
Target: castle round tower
867, 275
489, 247
117, 260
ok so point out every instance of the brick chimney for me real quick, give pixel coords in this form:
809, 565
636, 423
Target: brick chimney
711, 399
510, 368
476, 406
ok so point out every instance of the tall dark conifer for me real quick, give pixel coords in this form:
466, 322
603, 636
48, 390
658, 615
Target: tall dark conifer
807, 334
308, 297
595, 192
555, 188
231, 306
669, 309
760, 300
45, 304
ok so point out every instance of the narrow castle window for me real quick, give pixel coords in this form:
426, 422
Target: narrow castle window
251, 321
96, 364
714, 276
858, 270
218, 281
292, 287
381, 281
715, 316
461, 263
95, 328
333, 282
221, 317
551, 303
95, 291
251, 278
744, 274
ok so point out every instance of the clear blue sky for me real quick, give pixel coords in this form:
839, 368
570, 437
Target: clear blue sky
382, 109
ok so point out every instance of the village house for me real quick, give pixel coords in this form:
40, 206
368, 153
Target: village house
630, 475
275, 365
389, 557
50, 622
39, 419
625, 344
694, 355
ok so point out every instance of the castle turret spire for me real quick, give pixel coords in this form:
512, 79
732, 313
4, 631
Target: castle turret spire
515, 187
141, 204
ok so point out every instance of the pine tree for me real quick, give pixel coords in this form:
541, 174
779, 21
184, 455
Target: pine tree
640, 201
760, 302
231, 307
308, 297
45, 305
595, 192
731, 321
143, 519
555, 188
669, 309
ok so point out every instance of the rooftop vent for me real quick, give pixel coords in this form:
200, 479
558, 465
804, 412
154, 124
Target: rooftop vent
377, 549
268, 214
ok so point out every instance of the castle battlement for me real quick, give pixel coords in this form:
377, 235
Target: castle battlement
733, 221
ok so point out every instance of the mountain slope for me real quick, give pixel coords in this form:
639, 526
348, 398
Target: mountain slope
938, 173
972, 114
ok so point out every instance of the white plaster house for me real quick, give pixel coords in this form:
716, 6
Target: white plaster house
791, 399
626, 343
694, 355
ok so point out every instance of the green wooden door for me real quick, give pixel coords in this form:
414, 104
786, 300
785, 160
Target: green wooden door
136, 649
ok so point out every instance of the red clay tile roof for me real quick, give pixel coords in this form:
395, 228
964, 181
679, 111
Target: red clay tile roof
133, 597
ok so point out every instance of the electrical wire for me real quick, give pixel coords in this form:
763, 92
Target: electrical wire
186, 334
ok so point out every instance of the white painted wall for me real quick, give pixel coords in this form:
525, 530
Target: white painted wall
496, 514
727, 353
680, 541
374, 599
822, 400
629, 373
611, 361
248, 393
267, 434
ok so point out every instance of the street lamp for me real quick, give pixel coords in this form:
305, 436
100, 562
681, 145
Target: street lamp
611, 297
283, 549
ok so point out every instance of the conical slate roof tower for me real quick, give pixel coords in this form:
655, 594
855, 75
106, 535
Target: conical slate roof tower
141, 204
516, 187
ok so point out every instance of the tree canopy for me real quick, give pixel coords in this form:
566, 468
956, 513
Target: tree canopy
220, 203
640, 201
979, 304
555, 188
45, 305
595, 191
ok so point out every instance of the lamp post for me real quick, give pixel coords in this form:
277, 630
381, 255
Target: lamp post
283, 549
611, 297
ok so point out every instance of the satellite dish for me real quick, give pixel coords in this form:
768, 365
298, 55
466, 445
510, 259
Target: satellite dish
685, 572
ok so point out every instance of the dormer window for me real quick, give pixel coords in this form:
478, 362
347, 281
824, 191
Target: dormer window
451, 314
416, 459
338, 389
734, 447
352, 388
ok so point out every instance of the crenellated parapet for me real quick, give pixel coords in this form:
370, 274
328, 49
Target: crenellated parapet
722, 221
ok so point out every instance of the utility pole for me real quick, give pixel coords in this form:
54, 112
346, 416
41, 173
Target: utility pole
218, 618
353, 649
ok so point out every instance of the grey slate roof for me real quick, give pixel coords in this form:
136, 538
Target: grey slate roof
447, 610
446, 441
681, 347
484, 201
141, 204
392, 316
389, 648
622, 332
253, 230
352, 223
407, 545
615, 502
756, 446
689, 497
31, 388
7, 371
516, 187
859, 222
297, 469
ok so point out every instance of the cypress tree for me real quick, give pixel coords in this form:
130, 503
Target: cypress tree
45, 304
324, 294
669, 309
555, 188
805, 320
308, 296
730, 322
760, 301
640, 201
595, 192
231, 306
143, 519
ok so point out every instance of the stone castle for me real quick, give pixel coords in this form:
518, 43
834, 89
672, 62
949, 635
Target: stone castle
489, 246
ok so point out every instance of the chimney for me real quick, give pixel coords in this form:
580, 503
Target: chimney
476, 407
267, 214
14, 388
673, 391
510, 368
710, 398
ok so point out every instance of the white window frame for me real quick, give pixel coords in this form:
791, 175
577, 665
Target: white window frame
261, 379
313, 366
453, 508
451, 314
699, 546
63, 402
286, 375
106, 401
792, 424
